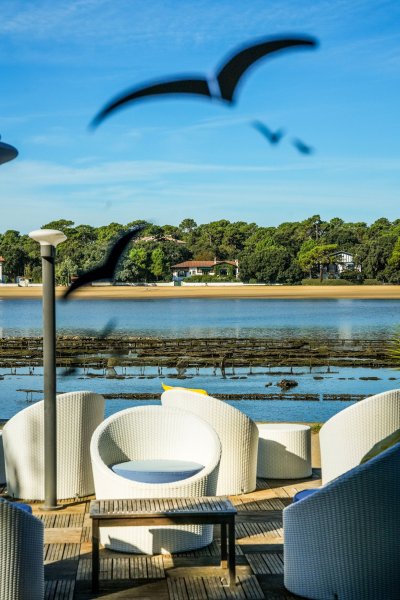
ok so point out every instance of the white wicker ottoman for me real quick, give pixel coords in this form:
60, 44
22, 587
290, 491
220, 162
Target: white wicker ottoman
284, 451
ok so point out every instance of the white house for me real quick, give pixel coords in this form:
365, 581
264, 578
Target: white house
343, 261
205, 267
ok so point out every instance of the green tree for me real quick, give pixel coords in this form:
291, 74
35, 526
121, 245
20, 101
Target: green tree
157, 262
375, 255
14, 254
140, 262
266, 263
394, 259
320, 255
61, 225
64, 270
187, 226
113, 231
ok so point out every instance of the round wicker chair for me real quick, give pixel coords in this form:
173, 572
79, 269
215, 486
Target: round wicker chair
78, 415
238, 435
347, 436
21, 554
343, 541
154, 432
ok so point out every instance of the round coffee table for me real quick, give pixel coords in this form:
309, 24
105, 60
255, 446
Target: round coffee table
284, 451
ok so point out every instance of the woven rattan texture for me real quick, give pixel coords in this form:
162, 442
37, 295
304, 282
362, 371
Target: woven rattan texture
284, 453
238, 435
155, 432
343, 541
21, 554
347, 436
78, 415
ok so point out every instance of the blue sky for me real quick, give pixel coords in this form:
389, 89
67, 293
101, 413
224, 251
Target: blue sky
167, 159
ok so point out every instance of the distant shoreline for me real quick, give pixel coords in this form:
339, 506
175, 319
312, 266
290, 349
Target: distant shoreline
295, 292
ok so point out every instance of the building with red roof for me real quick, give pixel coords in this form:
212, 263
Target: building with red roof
215, 267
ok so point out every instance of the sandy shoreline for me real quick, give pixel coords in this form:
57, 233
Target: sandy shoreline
371, 292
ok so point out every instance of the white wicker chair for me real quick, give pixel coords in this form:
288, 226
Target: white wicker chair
347, 436
238, 435
21, 554
343, 541
154, 432
2, 463
78, 415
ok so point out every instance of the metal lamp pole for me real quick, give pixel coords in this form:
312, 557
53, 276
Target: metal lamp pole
48, 240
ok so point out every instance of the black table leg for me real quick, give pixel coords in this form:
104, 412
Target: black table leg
95, 556
231, 554
224, 549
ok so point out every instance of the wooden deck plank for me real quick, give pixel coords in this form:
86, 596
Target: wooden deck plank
138, 567
66, 535
177, 589
251, 587
120, 568
155, 567
50, 589
196, 589
84, 569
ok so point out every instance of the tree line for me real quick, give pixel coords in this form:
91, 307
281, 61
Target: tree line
287, 253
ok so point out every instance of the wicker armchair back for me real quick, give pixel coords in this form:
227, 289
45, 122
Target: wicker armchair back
78, 415
238, 435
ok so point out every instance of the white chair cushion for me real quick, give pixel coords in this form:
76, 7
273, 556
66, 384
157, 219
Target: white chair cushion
157, 470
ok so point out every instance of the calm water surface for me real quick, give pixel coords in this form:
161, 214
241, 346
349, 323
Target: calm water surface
209, 318
343, 319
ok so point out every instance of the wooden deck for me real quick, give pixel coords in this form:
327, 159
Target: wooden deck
185, 576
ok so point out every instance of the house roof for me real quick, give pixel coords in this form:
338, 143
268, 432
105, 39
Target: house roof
2, 259
204, 263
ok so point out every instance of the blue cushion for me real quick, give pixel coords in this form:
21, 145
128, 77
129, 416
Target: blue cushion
23, 506
157, 470
304, 494
19, 505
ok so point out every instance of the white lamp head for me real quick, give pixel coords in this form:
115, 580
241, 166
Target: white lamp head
48, 237
7, 152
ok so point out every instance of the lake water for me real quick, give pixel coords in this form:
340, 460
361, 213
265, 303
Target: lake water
341, 319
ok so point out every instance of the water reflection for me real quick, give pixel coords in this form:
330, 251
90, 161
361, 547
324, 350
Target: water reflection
211, 318
26, 384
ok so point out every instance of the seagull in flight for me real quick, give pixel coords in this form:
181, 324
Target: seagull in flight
274, 137
107, 269
302, 147
222, 86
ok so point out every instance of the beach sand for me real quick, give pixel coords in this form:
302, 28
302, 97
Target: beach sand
360, 292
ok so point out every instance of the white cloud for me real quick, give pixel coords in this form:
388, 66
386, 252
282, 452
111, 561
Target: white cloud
37, 192
34, 174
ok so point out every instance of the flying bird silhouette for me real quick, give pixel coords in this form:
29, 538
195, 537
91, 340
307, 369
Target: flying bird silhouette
68, 371
302, 147
222, 87
272, 136
106, 331
107, 269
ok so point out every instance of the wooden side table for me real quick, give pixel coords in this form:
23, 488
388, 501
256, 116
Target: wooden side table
166, 511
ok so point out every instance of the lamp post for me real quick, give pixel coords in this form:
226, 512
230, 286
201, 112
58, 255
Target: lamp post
48, 240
